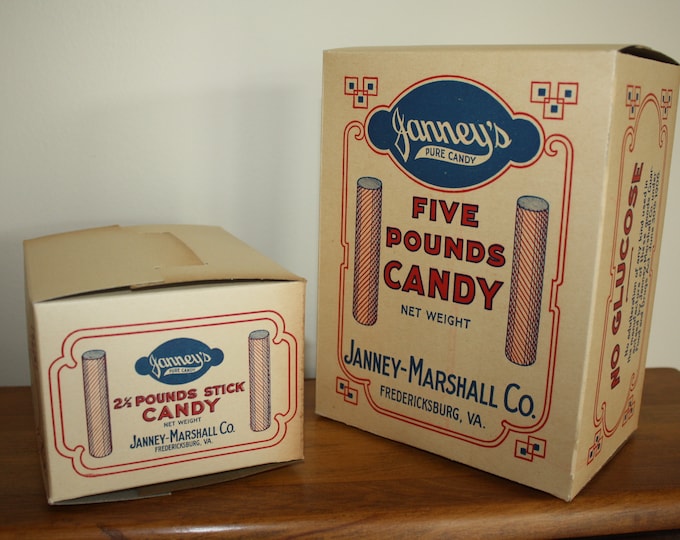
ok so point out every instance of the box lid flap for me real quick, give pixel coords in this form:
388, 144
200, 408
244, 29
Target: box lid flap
115, 257
648, 53
613, 48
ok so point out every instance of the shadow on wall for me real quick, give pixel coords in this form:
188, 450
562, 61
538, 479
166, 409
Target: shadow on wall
233, 158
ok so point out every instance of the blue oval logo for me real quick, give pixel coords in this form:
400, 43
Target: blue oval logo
453, 133
179, 361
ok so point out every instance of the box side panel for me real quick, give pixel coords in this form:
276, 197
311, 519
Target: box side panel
41, 413
641, 140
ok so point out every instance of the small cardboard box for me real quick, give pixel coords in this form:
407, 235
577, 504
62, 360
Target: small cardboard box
489, 237
161, 357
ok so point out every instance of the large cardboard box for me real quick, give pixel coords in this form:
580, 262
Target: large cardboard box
490, 228
161, 357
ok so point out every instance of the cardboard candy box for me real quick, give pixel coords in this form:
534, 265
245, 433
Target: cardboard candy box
162, 357
490, 228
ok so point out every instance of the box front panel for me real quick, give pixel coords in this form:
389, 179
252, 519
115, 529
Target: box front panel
462, 207
155, 386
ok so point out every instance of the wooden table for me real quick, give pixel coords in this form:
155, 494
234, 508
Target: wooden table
354, 484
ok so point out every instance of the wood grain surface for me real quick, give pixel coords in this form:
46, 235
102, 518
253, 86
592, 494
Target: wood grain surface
356, 485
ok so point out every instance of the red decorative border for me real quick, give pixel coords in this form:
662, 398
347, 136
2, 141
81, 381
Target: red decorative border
356, 130
78, 453
608, 418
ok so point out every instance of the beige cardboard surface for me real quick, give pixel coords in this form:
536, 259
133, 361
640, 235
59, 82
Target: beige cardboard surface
137, 387
112, 257
490, 227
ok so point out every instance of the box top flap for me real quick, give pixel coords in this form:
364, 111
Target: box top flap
115, 257
634, 50
646, 52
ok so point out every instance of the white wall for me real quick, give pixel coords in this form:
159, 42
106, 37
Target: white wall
208, 112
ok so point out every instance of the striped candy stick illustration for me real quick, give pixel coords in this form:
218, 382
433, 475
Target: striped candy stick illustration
97, 412
526, 282
367, 251
259, 363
